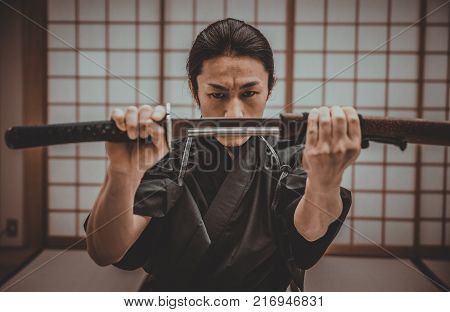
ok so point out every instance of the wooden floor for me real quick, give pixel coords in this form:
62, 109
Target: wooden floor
73, 270
12, 259
54, 270
334, 273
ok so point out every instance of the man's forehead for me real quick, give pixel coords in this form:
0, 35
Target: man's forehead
230, 72
227, 65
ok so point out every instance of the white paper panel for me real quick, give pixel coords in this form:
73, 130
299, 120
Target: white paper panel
339, 93
122, 63
61, 197
122, 91
399, 233
399, 205
210, 10
308, 65
61, 63
271, 11
341, 38
405, 11
309, 10
92, 170
307, 93
92, 90
308, 38
430, 232
88, 195
372, 38
122, 10
367, 232
432, 178
62, 224
61, 10
179, 10
61, 170
91, 10
149, 10
431, 205
341, 10
339, 65
367, 205
368, 177
370, 94
241, 9
122, 36
61, 36
148, 37
400, 178
373, 11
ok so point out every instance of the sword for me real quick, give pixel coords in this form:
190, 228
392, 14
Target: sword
396, 131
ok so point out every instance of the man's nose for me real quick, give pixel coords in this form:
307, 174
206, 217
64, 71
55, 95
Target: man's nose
234, 109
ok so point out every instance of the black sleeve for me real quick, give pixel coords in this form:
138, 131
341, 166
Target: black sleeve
306, 253
141, 250
157, 193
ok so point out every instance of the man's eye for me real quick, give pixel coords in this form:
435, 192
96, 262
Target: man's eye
217, 95
248, 93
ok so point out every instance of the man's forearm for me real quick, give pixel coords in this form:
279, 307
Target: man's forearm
317, 209
111, 227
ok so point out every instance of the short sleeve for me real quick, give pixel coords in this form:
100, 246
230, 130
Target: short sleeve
158, 190
306, 253
156, 194
140, 252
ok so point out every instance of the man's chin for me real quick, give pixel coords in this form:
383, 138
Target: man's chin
231, 141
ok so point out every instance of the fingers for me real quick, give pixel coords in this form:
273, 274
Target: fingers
145, 112
159, 113
140, 121
157, 133
354, 128
312, 134
131, 121
118, 117
339, 123
325, 125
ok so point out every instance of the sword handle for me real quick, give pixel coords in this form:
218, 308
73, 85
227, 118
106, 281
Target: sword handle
77, 132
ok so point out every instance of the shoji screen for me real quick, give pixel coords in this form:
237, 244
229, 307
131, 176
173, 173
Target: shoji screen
121, 36
396, 194
184, 19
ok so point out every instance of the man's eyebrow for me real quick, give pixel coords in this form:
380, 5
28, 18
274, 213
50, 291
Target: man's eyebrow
216, 86
249, 84
244, 86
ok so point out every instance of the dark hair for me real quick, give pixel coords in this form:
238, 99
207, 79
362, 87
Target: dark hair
233, 38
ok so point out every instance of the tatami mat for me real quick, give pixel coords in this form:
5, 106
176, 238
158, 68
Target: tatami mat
441, 268
73, 271
333, 273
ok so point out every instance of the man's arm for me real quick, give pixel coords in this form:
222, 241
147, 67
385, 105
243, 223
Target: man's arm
317, 209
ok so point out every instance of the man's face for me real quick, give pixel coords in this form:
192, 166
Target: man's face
233, 87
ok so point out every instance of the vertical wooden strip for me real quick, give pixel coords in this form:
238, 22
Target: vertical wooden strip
447, 117
34, 58
419, 110
290, 45
161, 50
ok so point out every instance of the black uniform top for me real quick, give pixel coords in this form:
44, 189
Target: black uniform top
215, 231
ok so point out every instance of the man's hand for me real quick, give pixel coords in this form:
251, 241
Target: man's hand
333, 142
